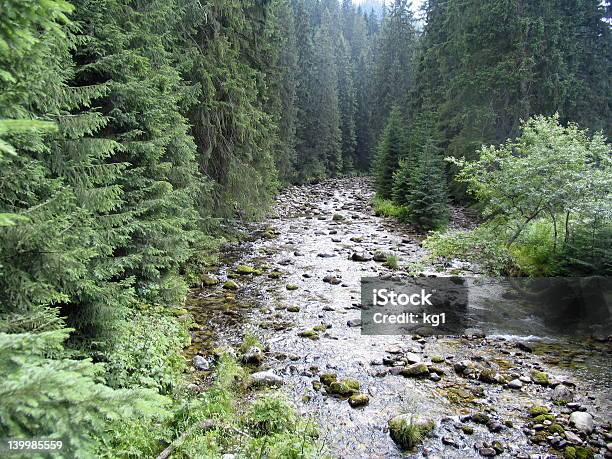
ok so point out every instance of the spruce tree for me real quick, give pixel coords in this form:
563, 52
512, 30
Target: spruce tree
327, 142
391, 148
419, 185
393, 64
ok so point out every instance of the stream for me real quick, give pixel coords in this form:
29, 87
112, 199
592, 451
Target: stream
303, 302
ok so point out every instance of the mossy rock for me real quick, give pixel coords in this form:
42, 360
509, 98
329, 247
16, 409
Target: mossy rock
539, 377
578, 452
480, 418
556, 428
357, 400
458, 395
310, 334
291, 287
539, 437
437, 359
488, 375
328, 378
344, 387
245, 269
275, 275
415, 370
209, 280
468, 430
293, 308
538, 410
321, 327
316, 385
338, 218
230, 285
356, 239
407, 430
539, 419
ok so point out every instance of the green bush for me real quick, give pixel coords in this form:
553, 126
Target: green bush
147, 351
481, 246
63, 398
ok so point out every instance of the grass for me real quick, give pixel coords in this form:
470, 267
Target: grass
250, 340
386, 207
407, 433
392, 262
263, 425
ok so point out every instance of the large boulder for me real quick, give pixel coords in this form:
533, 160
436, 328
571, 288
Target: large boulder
582, 421
265, 379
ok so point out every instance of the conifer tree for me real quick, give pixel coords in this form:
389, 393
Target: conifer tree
327, 142
393, 62
391, 148
419, 185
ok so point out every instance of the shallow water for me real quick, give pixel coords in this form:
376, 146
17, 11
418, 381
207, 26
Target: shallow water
293, 241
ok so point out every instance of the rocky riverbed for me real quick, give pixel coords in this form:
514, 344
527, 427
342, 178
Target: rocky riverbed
296, 285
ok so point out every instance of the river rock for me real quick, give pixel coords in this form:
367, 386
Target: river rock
573, 438
582, 421
230, 285
200, 363
209, 279
344, 387
411, 357
515, 384
360, 256
353, 322
357, 400
474, 333
253, 356
415, 370
562, 393
265, 379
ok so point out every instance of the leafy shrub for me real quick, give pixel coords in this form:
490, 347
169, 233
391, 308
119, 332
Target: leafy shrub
480, 246
147, 351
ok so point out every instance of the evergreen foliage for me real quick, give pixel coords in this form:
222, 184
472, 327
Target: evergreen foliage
391, 149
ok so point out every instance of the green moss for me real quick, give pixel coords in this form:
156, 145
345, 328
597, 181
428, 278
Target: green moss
328, 378
544, 417
467, 430
344, 387
556, 428
578, 452
293, 308
415, 370
480, 418
357, 400
539, 377
291, 287
275, 275
338, 218
230, 285
245, 269
538, 410
310, 334
437, 359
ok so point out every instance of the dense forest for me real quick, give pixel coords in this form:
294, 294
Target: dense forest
137, 136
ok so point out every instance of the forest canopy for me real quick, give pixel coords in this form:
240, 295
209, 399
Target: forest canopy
137, 136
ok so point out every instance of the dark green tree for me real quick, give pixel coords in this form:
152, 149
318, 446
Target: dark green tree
391, 148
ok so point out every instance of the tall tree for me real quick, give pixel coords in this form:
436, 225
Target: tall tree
393, 63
